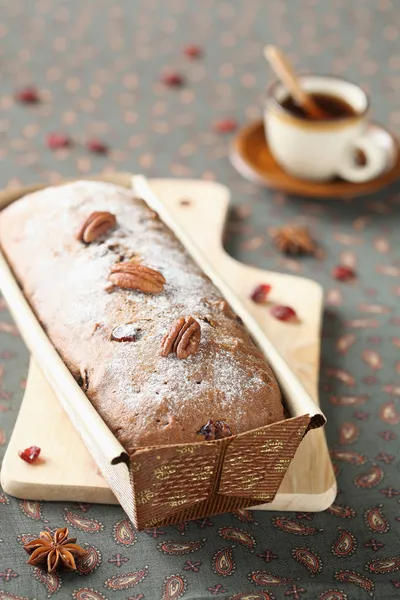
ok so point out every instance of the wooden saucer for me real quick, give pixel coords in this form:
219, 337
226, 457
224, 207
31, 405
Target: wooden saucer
251, 156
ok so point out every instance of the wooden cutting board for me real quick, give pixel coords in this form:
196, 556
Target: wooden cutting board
67, 472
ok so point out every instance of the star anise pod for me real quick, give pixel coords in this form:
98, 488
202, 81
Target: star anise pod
55, 551
294, 239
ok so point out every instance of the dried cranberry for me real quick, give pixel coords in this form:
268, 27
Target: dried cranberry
225, 126
28, 95
192, 51
222, 430
260, 293
343, 273
97, 146
58, 140
207, 430
30, 454
283, 313
173, 79
215, 430
124, 333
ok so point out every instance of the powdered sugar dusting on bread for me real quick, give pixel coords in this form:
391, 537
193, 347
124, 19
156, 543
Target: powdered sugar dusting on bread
144, 397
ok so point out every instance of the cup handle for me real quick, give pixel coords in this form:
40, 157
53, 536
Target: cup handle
375, 160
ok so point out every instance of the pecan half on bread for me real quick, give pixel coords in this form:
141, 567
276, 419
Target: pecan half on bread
183, 338
95, 226
131, 276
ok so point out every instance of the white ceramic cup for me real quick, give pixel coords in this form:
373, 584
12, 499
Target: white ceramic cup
322, 150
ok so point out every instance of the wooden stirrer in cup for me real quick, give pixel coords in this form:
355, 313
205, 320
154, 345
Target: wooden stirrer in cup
284, 71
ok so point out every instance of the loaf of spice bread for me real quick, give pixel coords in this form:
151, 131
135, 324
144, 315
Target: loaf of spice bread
154, 346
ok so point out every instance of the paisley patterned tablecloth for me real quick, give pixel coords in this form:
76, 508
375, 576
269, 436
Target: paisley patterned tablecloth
98, 67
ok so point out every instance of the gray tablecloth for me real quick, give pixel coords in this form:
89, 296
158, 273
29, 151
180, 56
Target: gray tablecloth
97, 65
